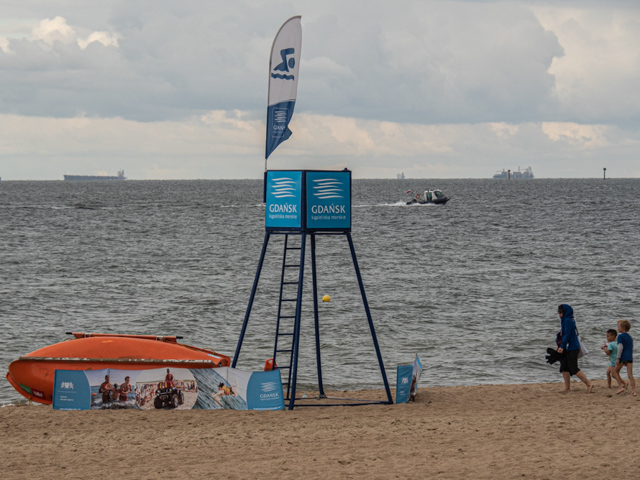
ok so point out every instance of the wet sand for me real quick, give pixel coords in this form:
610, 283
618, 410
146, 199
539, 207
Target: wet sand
481, 432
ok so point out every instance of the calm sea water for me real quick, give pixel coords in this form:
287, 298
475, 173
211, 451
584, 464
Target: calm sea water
472, 286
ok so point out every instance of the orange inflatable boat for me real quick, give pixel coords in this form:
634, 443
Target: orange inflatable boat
32, 375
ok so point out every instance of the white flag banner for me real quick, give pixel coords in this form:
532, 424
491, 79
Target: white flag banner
284, 65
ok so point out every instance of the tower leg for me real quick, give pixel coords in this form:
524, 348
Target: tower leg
251, 298
371, 327
296, 335
315, 314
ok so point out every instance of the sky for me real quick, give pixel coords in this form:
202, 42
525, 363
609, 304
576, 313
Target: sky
429, 88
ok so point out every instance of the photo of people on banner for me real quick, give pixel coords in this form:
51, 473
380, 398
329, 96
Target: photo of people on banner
408, 378
142, 389
167, 388
173, 388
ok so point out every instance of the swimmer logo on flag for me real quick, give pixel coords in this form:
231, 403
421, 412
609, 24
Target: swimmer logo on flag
283, 83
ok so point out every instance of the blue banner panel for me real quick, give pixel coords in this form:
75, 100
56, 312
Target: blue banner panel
408, 378
329, 200
264, 391
71, 390
284, 199
168, 389
278, 118
403, 387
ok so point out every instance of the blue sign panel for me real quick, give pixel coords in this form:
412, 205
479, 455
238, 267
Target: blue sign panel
278, 118
284, 199
408, 378
329, 200
71, 390
403, 387
264, 391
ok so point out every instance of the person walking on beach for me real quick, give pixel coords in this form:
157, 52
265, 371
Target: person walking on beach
625, 354
610, 348
569, 348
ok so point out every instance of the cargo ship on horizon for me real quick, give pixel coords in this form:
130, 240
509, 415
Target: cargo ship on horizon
508, 174
119, 176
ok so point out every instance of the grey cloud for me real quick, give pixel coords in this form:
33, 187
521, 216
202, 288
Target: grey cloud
467, 63
432, 62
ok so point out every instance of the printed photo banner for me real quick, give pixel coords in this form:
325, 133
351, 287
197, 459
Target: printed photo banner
167, 388
408, 378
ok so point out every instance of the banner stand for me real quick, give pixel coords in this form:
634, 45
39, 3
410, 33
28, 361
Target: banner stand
408, 378
301, 205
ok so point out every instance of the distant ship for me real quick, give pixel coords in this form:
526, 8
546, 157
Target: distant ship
400, 176
508, 174
120, 176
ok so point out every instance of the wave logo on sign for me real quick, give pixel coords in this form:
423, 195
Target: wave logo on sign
280, 119
268, 387
270, 391
328, 188
287, 63
283, 187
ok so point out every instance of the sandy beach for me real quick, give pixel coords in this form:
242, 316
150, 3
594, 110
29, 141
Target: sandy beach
492, 432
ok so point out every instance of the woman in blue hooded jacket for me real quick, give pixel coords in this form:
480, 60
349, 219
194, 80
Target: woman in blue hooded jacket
569, 348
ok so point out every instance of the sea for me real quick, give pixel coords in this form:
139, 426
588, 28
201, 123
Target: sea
472, 287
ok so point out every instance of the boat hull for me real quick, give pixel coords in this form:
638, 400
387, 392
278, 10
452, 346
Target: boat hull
33, 374
439, 201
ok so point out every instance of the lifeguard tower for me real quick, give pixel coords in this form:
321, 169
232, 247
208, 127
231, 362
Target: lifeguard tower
306, 204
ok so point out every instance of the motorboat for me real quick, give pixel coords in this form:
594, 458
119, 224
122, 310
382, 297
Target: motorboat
429, 196
32, 375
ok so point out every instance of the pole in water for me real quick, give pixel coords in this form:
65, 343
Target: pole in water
604, 173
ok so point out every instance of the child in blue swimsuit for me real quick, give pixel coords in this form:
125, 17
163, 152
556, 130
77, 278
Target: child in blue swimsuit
625, 354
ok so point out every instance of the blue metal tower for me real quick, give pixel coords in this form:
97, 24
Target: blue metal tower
303, 204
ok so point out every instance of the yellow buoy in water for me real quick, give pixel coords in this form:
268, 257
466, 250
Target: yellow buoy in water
326, 298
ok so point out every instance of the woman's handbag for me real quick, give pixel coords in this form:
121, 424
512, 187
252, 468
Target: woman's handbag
583, 349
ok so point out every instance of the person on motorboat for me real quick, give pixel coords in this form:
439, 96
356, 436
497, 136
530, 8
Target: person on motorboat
428, 197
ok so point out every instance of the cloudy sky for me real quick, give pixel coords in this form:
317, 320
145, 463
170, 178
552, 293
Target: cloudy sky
435, 89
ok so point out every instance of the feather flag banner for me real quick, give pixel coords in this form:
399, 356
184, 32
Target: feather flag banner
284, 66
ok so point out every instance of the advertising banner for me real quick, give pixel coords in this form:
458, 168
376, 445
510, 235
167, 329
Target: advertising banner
308, 200
408, 377
73, 390
284, 199
284, 64
167, 388
328, 200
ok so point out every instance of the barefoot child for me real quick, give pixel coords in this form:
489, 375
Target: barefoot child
610, 348
625, 354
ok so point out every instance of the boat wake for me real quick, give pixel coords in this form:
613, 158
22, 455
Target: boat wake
396, 204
